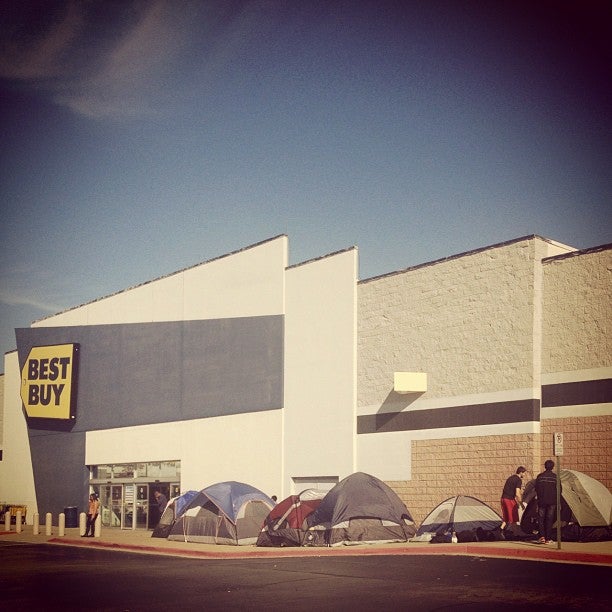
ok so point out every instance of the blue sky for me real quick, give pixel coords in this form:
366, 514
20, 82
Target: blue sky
143, 137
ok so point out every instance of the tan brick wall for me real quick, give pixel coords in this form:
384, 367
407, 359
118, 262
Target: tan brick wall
475, 466
577, 312
479, 466
586, 445
466, 321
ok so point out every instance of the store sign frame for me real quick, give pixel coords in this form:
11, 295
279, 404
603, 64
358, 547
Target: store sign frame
49, 382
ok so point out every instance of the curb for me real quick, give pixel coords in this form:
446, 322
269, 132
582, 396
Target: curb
528, 554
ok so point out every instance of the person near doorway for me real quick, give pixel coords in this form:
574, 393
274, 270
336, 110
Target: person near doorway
162, 501
93, 510
546, 490
512, 497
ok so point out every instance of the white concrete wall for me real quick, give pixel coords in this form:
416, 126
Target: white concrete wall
577, 331
246, 283
320, 368
16, 476
245, 447
472, 323
468, 322
1, 408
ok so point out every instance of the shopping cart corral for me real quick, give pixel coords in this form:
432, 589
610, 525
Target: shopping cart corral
12, 509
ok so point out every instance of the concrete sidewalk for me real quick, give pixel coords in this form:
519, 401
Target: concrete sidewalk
140, 541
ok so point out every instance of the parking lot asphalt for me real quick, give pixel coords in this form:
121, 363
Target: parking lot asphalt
140, 541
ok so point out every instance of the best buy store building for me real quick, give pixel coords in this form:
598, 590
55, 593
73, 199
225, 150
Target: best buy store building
285, 377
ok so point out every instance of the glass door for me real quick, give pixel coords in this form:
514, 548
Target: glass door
142, 506
111, 501
115, 504
128, 506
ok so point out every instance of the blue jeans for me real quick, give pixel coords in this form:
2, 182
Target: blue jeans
546, 518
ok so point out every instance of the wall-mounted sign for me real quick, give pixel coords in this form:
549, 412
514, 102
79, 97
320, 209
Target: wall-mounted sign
48, 381
558, 444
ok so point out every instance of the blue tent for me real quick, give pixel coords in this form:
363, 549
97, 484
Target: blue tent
223, 513
182, 502
231, 496
175, 507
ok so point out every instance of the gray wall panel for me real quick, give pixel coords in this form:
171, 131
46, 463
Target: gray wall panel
60, 476
136, 374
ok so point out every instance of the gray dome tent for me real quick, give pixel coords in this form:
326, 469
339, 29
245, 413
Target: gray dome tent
586, 508
360, 509
470, 518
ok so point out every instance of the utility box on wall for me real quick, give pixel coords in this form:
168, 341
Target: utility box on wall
410, 382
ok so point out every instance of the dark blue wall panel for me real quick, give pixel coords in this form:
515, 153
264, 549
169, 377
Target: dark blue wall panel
144, 373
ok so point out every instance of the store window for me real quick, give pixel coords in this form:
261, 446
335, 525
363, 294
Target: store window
155, 470
127, 491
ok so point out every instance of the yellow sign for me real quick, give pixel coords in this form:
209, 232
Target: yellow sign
48, 381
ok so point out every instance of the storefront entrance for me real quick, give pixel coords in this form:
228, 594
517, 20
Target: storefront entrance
129, 502
133, 506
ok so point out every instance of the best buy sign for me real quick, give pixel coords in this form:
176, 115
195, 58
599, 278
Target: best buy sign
48, 381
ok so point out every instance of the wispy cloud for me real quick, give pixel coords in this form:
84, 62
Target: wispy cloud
25, 57
121, 60
21, 284
102, 60
18, 299
131, 69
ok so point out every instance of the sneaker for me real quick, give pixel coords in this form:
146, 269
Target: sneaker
542, 541
550, 541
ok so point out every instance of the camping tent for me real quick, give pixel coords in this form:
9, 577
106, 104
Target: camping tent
586, 508
173, 511
285, 525
360, 509
470, 518
224, 513
589, 499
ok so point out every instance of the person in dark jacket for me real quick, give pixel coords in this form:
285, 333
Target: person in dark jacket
546, 490
162, 501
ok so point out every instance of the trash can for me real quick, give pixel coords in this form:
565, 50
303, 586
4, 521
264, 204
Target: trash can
72, 516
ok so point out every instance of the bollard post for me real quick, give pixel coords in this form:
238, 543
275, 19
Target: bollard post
48, 523
7, 520
18, 521
36, 524
98, 526
61, 525
82, 523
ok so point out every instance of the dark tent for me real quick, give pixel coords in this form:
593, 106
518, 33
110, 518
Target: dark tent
586, 508
360, 509
176, 506
286, 523
470, 518
224, 513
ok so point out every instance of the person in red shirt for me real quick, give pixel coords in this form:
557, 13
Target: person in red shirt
512, 497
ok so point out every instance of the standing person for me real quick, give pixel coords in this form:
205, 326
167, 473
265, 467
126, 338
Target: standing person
162, 502
512, 497
546, 490
92, 514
